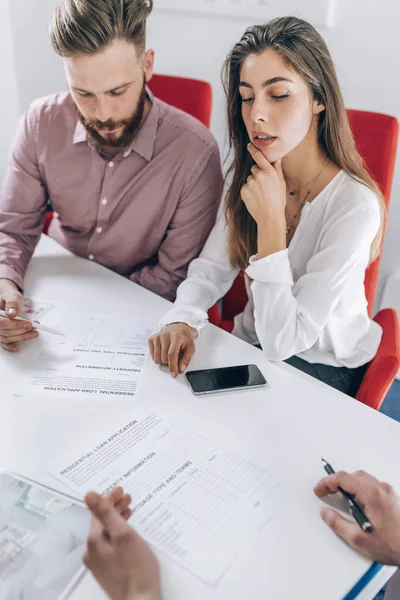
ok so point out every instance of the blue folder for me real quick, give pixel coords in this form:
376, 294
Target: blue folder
363, 582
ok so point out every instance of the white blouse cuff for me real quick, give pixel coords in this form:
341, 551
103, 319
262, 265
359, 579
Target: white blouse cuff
274, 268
192, 316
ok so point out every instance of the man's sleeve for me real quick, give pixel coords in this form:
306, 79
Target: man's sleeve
22, 203
189, 229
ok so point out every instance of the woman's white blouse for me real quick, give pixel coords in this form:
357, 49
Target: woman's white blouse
308, 300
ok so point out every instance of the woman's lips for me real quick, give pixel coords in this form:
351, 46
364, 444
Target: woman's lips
263, 141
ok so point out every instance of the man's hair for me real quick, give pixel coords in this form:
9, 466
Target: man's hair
89, 26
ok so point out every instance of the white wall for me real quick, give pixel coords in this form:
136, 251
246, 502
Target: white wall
39, 69
363, 42
9, 108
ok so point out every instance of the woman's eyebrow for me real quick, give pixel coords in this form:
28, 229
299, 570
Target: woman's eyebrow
266, 83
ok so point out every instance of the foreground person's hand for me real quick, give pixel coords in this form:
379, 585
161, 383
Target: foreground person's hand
118, 557
380, 503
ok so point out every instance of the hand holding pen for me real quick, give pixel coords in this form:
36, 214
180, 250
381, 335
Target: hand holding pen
379, 506
33, 325
15, 330
354, 508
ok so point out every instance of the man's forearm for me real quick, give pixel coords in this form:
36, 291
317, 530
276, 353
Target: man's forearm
16, 251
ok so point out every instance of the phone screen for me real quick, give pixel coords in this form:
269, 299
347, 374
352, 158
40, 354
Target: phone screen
227, 378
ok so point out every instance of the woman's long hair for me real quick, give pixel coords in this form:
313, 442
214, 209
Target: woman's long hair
305, 51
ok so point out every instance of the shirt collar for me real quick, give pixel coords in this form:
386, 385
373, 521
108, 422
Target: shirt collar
143, 143
80, 134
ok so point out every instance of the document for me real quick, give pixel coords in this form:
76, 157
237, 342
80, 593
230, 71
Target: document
34, 309
97, 358
42, 541
193, 499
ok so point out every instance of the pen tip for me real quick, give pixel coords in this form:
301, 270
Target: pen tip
323, 460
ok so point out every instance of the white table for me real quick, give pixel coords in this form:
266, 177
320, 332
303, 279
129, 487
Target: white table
286, 428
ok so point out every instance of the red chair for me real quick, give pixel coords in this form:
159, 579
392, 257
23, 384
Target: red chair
379, 158
190, 95
386, 364
233, 303
376, 138
48, 219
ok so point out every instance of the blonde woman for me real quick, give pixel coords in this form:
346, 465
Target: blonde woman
303, 218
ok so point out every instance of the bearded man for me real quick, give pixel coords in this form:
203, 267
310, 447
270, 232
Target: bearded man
134, 183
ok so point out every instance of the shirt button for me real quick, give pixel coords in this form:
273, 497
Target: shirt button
99, 230
104, 201
91, 257
111, 164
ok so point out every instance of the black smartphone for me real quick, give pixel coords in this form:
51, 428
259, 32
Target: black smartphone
209, 381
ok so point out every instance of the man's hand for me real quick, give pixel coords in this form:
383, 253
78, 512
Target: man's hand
381, 505
13, 333
121, 502
118, 557
173, 346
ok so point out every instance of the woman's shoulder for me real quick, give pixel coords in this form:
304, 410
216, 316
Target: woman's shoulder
350, 196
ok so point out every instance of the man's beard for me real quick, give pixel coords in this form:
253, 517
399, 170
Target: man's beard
130, 127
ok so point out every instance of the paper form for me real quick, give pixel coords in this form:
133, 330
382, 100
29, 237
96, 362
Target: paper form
34, 309
193, 499
97, 358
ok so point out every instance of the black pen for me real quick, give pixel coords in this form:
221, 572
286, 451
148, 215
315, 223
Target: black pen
354, 507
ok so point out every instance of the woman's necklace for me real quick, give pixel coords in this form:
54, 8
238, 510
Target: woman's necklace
292, 225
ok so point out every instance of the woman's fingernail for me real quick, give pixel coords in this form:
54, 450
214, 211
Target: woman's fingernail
12, 311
